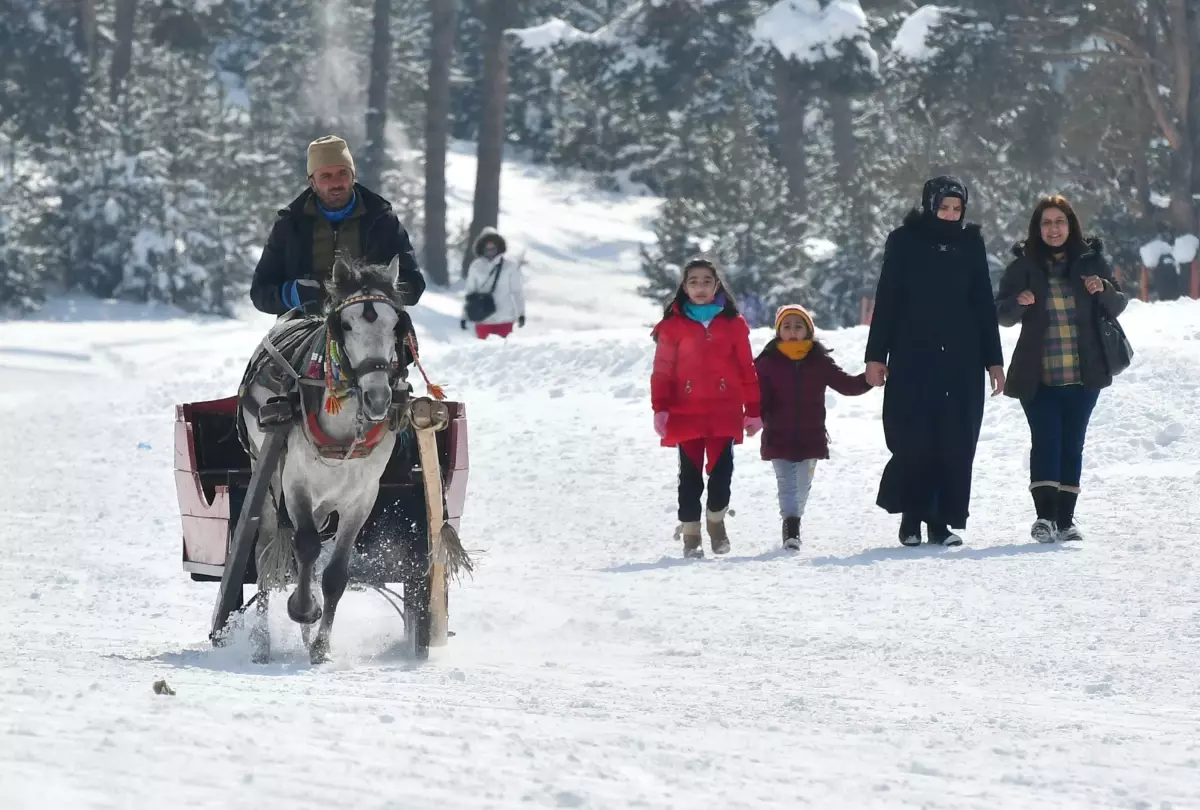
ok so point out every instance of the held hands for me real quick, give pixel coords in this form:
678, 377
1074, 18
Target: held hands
1094, 284
660, 424
876, 374
996, 376
1025, 298
752, 424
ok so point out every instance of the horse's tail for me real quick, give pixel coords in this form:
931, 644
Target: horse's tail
274, 557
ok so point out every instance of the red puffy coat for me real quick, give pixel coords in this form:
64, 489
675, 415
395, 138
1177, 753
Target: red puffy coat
704, 377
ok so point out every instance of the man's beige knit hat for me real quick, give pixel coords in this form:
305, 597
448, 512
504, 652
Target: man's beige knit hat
328, 151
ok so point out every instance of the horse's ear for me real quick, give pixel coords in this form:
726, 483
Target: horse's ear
393, 270
342, 271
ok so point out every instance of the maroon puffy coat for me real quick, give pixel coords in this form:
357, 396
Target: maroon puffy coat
703, 377
793, 401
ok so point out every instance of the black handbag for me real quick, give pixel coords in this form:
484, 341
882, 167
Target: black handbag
1118, 353
480, 305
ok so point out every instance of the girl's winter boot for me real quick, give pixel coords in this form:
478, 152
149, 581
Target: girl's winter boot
717, 535
791, 533
690, 532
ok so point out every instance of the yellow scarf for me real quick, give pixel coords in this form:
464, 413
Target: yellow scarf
794, 349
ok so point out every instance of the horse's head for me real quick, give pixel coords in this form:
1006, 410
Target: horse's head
367, 319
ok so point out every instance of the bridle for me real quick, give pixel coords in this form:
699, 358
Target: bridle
336, 340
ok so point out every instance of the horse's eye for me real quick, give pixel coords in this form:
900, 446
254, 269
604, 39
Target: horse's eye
345, 326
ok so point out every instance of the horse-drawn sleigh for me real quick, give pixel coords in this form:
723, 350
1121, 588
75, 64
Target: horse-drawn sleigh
324, 455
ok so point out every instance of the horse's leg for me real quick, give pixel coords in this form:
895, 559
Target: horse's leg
302, 607
336, 577
260, 633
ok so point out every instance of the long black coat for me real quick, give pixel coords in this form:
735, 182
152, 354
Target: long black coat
1025, 373
288, 255
935, 327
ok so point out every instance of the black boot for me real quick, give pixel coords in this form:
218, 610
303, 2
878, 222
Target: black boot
1067, 530
791, 533
910, 530
1045, 501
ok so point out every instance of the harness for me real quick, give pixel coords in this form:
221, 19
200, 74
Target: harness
302, 363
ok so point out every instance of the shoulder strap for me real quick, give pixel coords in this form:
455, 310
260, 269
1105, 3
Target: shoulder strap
496, 276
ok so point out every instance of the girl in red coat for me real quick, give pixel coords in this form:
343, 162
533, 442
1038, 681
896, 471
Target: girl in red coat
704, 391
793, 372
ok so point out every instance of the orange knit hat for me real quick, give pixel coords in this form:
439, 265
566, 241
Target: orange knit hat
794, 309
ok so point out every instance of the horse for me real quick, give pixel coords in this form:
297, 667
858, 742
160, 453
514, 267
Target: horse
349, 371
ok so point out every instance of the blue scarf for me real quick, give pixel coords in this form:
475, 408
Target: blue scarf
704, 313
341, 214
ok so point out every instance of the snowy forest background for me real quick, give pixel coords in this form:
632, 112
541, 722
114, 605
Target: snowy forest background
145, 145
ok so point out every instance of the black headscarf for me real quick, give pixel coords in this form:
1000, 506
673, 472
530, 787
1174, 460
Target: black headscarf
936, 190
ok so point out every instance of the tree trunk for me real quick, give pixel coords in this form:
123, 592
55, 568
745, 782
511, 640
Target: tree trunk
845, 141
122, 59
1182, 65
370, 169
490, 152
1194, 113
791, 107
1141, 163
437, 124
85, 46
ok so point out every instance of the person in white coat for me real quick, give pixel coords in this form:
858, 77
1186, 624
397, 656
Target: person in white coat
495, 298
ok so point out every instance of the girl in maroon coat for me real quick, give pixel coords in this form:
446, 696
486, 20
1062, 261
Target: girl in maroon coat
793, 372
704, 392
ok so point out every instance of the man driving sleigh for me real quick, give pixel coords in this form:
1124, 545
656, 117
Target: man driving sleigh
334, 216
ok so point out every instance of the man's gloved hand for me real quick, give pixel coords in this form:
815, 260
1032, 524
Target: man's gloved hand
463, 324
303, 294
521, 321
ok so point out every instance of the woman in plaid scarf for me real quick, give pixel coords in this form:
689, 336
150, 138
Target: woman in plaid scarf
1058, 369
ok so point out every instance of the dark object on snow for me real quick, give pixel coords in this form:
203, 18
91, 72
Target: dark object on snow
161, 688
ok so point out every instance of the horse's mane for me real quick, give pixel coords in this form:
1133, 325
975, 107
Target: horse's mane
363, 276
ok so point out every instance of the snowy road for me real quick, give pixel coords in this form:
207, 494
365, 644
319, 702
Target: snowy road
592, 667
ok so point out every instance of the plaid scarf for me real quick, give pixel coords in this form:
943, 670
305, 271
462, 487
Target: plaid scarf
1060, 357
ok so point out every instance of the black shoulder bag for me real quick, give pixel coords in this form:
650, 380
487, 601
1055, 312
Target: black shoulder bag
482, 304
1118, 353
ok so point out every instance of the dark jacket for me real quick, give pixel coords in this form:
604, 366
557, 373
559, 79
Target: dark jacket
793, 401
1026, 273
289, 252
935, 327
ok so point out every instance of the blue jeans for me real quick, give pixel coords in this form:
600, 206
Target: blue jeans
1058, 419
795, 482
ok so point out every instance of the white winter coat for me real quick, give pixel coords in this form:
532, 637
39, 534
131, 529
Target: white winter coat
509, 294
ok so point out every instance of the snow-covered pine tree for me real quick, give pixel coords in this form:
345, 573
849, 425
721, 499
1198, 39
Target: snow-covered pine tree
735, 211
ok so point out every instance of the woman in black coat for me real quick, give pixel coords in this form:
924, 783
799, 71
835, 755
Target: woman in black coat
933, 336
1056, 289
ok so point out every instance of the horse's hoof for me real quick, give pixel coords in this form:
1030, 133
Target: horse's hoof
309, 614
318, 653
261, 657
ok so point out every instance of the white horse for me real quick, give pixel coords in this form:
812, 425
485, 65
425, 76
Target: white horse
337, 449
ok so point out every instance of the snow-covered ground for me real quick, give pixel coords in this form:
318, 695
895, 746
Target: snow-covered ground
592, 667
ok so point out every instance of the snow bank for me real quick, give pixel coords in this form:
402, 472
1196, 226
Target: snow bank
803, 31
912, 41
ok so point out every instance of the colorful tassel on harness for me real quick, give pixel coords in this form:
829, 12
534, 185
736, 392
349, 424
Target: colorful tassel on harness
436, 391
333, 405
